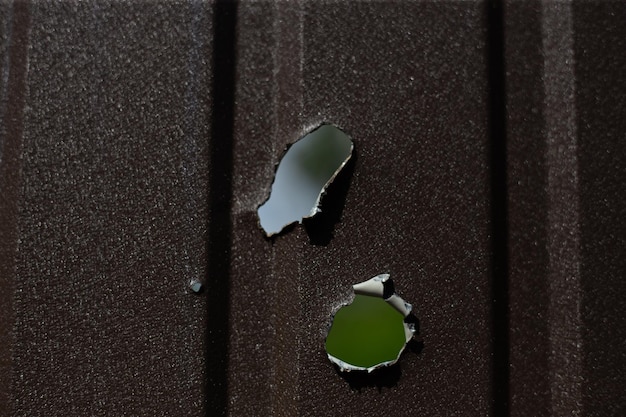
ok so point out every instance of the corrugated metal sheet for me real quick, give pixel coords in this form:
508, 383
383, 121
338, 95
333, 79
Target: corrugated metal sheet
138, 139
566, 92
110, 207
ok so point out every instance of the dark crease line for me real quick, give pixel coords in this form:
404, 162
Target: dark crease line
11, 143
499, 212
220, 204
6, 70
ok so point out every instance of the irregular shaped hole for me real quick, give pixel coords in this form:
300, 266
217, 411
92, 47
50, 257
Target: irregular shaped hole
372, 331
307, 169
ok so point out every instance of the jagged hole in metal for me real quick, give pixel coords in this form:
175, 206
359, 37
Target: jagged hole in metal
308, 167
371, 332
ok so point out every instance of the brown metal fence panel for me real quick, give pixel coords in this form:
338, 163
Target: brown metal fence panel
527, 182
111, 208
600, 39
412, 93
138, 140
566, 93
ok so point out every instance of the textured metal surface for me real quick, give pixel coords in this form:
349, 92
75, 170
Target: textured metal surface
600, 39
138, 140
111, 208
412, 95
14, 43
566, 94
528, 285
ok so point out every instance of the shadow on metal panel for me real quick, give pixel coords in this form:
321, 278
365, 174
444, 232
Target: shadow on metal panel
220, 202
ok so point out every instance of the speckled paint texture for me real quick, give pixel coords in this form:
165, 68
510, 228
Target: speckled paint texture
566, 90
137, 140
110, 208
407, 81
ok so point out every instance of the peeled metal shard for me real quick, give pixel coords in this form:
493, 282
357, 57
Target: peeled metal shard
371, 332
304, 173
195, 286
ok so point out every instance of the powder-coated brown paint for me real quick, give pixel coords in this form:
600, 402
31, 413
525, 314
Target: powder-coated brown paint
128, 168
565, 92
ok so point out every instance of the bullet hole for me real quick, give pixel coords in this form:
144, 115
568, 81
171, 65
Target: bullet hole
373, 330
309, 166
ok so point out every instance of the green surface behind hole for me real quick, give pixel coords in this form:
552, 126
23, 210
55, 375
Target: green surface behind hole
367, 332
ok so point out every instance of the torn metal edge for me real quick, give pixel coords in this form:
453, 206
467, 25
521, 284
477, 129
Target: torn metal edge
375, 287
316, 207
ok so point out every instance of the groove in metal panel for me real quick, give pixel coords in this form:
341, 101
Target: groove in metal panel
564, 309
499, 212
526, 149
14, 83
218, 280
